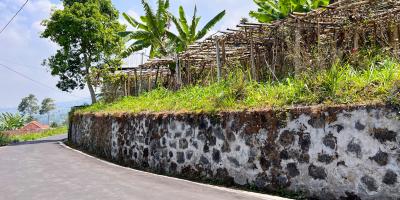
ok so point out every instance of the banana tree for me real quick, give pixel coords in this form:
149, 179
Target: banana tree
150, 31
188, 33
270, 10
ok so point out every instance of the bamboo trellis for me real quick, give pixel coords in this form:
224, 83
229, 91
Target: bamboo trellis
300, 41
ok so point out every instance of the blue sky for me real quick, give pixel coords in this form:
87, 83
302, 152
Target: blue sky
23, 50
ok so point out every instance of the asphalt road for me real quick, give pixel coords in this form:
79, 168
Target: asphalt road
46, 169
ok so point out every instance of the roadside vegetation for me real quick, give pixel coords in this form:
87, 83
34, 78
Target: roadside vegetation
377, 81
6, 139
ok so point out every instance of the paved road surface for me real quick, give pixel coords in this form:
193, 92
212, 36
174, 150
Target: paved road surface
45, 169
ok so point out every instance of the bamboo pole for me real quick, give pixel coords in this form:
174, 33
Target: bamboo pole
178, 72
218, 60
253, 66
297, 50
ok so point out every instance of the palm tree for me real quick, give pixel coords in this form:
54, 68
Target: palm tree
150, 32
188, 33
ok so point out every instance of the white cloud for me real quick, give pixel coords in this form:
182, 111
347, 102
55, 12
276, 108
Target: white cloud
22, 49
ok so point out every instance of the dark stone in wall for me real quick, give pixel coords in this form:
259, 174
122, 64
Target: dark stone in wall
180, 157
223, 175
317, 122
219, 133
359, 126
261, 180
189, 154
390, 177
304, 141
369, 182
237, 148
304, 158
206, 148
284, 154
225, 147
350, 196
178, 135
234, 161
265, 164
216, 156
281, 181
292, 169
325, 158
204, 160
146, 153
330, 141
383, 135
183, 143
230, 136
382, 158
172, 167
355, 148
172, 144
317, 172
339, 128
286, 138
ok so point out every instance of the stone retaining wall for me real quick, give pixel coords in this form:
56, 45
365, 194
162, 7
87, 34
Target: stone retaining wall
332, 152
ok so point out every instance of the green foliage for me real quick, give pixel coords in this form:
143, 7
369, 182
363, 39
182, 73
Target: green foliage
342, 84
9, 121
270, 10
150, 32
7, 139
47, 106
86, 32
4, 139
38, 135
188, 33
29, 106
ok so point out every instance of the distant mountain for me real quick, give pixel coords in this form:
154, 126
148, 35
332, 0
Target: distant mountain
59, 115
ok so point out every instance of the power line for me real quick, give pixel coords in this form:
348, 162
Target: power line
8, 23
37, 82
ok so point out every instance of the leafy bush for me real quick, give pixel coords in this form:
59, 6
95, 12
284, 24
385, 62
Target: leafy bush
270, 10
9, 121
4, 139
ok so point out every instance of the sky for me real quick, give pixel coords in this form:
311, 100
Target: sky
22, 50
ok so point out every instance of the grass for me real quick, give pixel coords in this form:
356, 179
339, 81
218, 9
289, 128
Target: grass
377, 81
4, 139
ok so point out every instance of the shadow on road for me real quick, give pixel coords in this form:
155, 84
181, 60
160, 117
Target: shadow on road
35, 142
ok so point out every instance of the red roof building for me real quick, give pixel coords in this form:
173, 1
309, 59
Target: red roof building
34, 126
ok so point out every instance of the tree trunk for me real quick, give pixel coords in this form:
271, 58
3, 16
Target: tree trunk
91, 90
88, 81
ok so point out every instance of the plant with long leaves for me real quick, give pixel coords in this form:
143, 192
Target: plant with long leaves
188, 33
150, 32
9, 121
270, 10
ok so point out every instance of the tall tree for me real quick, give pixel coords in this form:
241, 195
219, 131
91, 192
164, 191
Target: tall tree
269, 10
47, 106
29, 106
86, 31
150, 32
188, 33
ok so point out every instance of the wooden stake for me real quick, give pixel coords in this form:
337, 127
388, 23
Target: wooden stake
253, 66
218, 61
297, 62
178, 72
